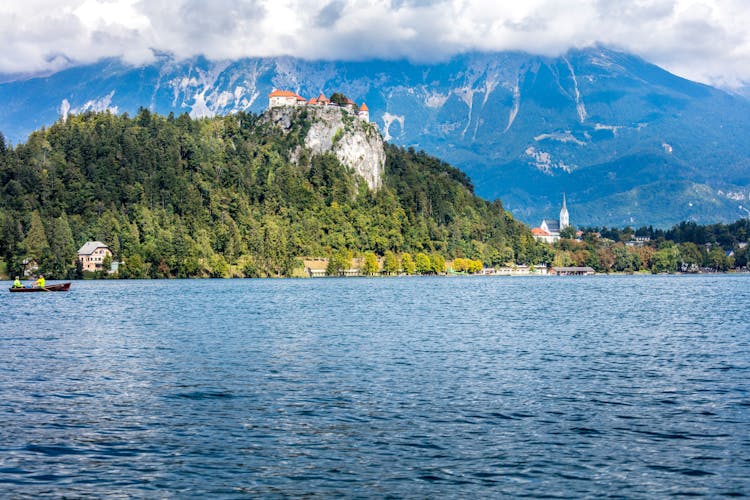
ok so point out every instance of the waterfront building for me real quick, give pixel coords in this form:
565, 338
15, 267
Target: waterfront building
92, 254
572, 271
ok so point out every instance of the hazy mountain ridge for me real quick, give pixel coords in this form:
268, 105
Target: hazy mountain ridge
526, 128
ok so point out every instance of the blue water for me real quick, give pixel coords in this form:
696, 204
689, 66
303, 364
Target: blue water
629, 386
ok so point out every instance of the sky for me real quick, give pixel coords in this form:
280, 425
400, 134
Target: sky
703, 40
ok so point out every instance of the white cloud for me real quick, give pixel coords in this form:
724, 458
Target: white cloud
706, 40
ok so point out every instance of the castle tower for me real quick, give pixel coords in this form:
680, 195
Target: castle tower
364, 113
564, 218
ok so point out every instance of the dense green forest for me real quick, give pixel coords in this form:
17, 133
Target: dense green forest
179, 197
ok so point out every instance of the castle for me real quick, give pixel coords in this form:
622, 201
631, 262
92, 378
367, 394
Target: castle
549, 230
282, 98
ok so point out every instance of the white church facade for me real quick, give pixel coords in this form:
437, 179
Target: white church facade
549, 230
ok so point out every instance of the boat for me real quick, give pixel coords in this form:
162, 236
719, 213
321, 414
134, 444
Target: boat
57, 287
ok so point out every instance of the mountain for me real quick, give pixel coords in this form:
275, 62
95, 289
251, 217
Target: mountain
628, 142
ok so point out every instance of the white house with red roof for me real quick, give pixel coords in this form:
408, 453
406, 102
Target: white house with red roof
280, 98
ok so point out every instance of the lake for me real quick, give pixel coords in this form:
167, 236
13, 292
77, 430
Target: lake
629, 386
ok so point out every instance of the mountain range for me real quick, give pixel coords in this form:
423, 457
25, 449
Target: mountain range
627, 142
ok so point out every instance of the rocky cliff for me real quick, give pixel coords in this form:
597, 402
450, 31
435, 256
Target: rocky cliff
357, 144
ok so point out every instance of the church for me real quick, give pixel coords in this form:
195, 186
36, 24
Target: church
549, 230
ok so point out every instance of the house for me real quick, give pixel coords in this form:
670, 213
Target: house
92, 254
280, 98
638, 241
315, 267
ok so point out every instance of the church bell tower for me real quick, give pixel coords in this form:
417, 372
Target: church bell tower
564, 219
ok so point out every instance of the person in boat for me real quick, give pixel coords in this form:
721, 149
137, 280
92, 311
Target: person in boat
17, 283
40, 281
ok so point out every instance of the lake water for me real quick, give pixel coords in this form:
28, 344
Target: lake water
626, 386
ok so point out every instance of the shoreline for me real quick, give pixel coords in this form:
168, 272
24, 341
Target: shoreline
447, 275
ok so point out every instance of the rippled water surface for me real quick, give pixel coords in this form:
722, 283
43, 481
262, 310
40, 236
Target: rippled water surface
569, 387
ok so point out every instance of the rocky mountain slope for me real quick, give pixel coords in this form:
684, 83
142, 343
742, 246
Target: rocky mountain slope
628, 142
356, 144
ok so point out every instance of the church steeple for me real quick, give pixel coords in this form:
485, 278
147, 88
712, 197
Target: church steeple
564, 218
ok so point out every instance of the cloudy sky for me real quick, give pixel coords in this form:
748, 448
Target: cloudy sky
705, 40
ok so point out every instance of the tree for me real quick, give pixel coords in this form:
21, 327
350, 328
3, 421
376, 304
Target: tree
665, 260
422, 263
568, 233
78, 273
437, 263
35, 242
369, 264
563, 258
106, 264
134, 267
606, 259
625, 260
339, 262
218, 267
691, 257
59, 261
717, 259
474, 266
339, 98
407, 264
390, 263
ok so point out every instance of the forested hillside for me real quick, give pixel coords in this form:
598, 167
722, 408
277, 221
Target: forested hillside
230, 196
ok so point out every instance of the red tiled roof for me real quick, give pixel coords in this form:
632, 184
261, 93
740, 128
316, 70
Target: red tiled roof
282, 93
538, 231
363, 107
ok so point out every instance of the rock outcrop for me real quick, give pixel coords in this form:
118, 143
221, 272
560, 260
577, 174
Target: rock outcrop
357, 144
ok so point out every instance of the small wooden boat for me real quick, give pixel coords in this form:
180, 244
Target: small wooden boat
57, 287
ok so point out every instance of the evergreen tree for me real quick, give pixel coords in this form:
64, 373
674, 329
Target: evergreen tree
35, 243
60, 260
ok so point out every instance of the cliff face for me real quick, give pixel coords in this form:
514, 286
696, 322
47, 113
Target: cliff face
357, 144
